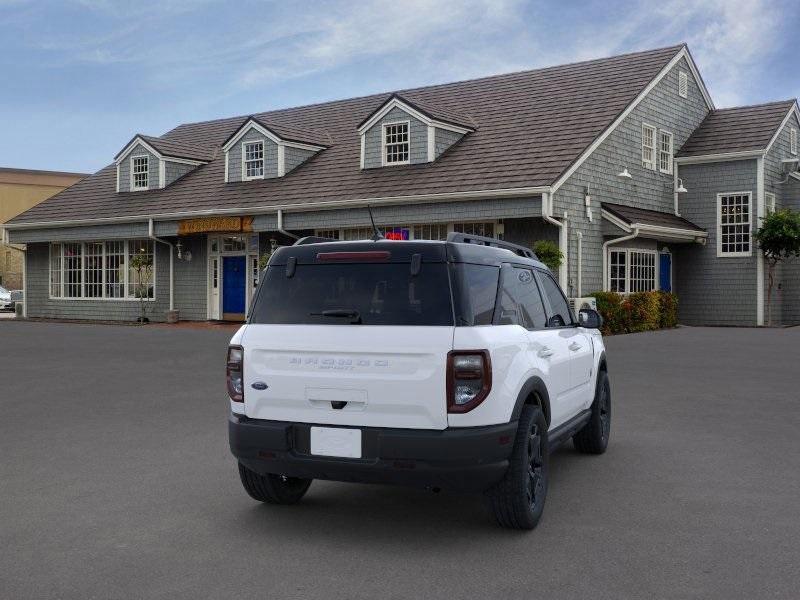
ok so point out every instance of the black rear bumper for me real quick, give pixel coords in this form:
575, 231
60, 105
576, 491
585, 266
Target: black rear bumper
464, 459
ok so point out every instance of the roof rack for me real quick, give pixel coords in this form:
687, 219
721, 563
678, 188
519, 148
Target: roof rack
464, 238
313, 239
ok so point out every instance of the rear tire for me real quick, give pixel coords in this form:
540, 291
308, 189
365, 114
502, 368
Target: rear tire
273, 489
593, 438
517, 501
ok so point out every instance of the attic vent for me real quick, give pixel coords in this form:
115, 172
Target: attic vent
683, 84
793, 140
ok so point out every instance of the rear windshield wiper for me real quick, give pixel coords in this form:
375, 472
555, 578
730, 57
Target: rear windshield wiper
344, 313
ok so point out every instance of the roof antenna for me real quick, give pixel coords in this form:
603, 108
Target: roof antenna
376, 236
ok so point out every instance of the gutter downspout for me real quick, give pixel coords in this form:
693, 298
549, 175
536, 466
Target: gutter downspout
282, 230
605, 253
152, 236
547, 211
675, 187
580, 263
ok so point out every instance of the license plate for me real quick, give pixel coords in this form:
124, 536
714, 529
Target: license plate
336, 441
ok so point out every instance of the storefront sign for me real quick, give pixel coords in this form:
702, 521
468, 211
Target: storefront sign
211, 224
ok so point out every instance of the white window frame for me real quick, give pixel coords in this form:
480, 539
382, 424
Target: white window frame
649, 164
728, 254
665, 155
104, 298
793, 140
683, 84
263, 160
133, 159
769, 202
384, 146
497, 228
627, 276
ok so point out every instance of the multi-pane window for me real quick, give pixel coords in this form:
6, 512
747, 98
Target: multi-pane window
253, 160
395, 143
115, 269
93, 270
331, 234
734, 224
97, 270
140, 166
769, 199
140, 268
483, 229
631, 271
234, 243
793, 140
618, 269
55, 270
683, 84
665, 152
434, 231
648, 146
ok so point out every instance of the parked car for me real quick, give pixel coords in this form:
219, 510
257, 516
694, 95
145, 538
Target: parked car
451, 364
5, 299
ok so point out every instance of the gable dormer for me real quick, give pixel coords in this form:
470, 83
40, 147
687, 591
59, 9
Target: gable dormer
259, 150
149, 163
405, 132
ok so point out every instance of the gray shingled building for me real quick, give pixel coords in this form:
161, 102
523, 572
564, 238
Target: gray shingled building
624, 162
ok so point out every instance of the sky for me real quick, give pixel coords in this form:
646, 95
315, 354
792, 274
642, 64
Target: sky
81, 77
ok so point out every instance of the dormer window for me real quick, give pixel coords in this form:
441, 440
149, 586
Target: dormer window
253, 153
140, 169
396, 148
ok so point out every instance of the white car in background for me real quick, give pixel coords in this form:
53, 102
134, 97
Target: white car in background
5, 299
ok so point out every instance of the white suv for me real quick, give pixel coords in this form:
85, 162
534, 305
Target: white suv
451, 364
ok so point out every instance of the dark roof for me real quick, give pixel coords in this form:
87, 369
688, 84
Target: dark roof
436, 113
530, 127
173, 148
286, 132
631, 215
739, 129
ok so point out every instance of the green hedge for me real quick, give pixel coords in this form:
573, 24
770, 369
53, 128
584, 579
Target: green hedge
640, 311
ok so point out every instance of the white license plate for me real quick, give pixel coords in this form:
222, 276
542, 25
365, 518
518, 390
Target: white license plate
335, 441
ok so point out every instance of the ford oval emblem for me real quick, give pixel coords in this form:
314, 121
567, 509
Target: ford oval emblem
259, 385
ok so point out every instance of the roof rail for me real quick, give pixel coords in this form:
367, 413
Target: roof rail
313, 239
464, 238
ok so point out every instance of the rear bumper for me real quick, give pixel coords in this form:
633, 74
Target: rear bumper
464, 459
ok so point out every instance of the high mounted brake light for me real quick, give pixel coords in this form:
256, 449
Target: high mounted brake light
469, 379
234, 373
375, 255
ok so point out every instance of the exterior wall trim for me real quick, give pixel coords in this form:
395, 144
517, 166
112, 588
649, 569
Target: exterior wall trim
722, 157
792, 111
683, 53
257, 210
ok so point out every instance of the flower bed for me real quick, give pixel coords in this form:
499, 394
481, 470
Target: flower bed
640, 311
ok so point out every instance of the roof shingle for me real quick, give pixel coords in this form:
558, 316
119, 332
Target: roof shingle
631, 215
530, 127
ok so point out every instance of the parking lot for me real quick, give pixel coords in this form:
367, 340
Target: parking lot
117, 483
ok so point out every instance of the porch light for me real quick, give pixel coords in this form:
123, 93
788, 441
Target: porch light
625, 174
680, 189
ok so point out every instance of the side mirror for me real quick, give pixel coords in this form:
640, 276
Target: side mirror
590, 319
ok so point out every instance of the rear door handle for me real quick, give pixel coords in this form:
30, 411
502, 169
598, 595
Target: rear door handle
545, 352
575, 346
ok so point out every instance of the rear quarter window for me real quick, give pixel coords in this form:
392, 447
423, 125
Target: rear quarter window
476, 293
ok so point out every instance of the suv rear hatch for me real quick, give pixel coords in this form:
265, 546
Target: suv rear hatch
351, 334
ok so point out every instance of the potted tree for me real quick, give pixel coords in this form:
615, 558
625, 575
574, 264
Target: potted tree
142, 266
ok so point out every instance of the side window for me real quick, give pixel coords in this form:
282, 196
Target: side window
520, 300
475, 293
560, 314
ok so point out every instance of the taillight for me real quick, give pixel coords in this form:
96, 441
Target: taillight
469, 379
235, 373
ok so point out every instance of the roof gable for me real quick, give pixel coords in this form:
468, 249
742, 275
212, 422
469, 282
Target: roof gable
280, 134
420, 110
167, 149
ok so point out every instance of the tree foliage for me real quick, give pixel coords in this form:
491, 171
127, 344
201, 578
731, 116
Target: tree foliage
779, 239
548, 252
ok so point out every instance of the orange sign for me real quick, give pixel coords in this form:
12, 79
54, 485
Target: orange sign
215, 224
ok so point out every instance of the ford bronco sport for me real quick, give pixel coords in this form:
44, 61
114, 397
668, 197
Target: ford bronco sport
451, 364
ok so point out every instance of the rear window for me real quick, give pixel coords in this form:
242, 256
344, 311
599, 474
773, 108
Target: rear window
349, 293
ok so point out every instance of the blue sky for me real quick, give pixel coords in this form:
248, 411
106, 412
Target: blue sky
81, 77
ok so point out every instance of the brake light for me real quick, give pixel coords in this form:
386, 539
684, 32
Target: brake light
469, 379
369, 255
235, 373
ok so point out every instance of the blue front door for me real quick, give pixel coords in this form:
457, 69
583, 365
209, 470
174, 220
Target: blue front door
233, 278
665, 272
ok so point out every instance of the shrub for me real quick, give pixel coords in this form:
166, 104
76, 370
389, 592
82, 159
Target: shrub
640, 311
668, 309
548, 253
